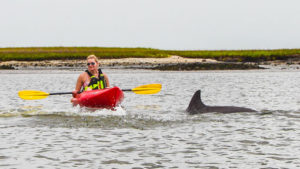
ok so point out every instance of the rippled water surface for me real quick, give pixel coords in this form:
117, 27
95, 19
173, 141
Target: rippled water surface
153, 131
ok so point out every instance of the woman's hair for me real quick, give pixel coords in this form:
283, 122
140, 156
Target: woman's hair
92, 57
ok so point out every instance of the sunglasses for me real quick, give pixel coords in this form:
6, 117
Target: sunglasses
92, 63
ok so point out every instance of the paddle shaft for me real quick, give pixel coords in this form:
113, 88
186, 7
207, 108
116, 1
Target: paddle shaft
126, 90
60, 93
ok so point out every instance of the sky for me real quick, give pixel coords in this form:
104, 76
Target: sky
160, 24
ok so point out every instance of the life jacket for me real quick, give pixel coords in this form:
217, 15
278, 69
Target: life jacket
96, 83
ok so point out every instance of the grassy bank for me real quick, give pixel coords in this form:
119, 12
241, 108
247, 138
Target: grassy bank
63, 53
242, 55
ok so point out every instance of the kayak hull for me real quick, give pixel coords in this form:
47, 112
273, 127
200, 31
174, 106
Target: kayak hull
103, 98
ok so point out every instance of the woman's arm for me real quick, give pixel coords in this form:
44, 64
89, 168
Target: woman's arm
79, 84
106, 79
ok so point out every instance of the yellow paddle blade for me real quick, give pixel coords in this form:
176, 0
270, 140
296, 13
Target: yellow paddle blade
32, 94
147, 89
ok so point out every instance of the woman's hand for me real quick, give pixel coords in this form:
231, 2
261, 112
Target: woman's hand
74, 93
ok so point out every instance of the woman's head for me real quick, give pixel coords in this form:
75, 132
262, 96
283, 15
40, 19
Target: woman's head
92, 62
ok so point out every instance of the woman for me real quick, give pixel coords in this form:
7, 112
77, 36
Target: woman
92, 78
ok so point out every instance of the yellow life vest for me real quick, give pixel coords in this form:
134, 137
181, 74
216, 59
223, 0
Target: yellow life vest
96, 83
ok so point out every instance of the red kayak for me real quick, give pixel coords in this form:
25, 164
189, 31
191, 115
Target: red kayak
103, 98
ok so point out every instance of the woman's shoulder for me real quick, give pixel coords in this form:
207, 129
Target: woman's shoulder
104, 74
83, 75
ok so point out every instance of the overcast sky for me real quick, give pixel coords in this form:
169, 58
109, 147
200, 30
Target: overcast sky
162, 24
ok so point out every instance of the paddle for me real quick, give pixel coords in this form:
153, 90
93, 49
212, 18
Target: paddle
34, 94
145, 89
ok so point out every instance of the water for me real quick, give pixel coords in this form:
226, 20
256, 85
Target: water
153, 131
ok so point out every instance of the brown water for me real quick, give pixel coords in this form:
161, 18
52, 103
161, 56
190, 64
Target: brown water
153, 131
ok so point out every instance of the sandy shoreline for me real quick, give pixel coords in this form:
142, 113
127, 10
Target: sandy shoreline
105, 62
128, 63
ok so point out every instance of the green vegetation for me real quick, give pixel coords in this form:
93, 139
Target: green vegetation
241, 55
63, 53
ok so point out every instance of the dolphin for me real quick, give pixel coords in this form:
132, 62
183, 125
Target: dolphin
196, 106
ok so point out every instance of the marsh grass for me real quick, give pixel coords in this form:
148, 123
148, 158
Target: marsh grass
65, 53
241, 55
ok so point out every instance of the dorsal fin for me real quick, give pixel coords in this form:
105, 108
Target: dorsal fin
196, 103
